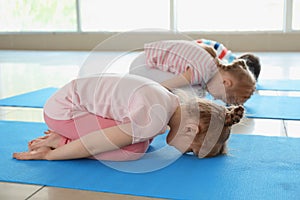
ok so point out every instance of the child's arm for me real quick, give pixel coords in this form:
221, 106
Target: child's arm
179, 80
94, 143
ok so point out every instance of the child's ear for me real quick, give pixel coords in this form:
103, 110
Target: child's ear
191, 129
227, 82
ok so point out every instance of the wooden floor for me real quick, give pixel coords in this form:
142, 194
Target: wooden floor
23, 71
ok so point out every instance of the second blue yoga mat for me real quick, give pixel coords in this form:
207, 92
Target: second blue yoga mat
273, 107
257, 167
279, 85
33, 99
258, 106
270, 107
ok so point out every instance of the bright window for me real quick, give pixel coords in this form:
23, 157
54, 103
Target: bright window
37, 15
230, 15
296, 15
149, 15
121, 15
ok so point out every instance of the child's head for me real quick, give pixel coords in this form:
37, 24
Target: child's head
204, 128
251, 60
234, 84
241, 82
238, 79
253, 63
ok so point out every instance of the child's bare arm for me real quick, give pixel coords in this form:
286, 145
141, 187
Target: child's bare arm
94, 143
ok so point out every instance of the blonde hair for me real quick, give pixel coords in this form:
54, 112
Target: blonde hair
244, 84
238, 69
214, 125
210, 50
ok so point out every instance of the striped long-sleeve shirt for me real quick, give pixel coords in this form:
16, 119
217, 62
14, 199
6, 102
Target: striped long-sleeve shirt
176, 56
222, 52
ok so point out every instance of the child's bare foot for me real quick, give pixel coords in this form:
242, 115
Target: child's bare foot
51, 139
37, 154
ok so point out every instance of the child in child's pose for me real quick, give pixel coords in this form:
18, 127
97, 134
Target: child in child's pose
226, 55
115, 118
182, 62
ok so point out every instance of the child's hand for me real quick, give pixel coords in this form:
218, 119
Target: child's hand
38, 154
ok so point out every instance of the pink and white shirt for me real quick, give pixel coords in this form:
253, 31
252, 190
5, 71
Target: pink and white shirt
127, 99
176, 56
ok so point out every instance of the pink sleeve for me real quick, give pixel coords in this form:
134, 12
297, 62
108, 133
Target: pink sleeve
147, 123
150, 111
176, 56
203, 71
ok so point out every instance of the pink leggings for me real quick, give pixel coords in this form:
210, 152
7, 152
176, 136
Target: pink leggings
75, 128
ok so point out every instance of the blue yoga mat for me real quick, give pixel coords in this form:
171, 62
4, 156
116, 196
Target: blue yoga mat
270, 107
34, 99
279, 85
258, 167
273, 107
258, 106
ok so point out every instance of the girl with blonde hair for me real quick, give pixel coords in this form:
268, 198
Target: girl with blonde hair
177, 63
114, 117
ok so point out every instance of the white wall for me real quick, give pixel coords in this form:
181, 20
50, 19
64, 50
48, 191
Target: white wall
239, 41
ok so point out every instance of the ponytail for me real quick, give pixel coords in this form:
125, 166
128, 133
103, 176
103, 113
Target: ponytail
233, 115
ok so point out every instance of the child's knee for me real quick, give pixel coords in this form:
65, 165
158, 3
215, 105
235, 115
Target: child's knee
140, 147
131, 152
135, 151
